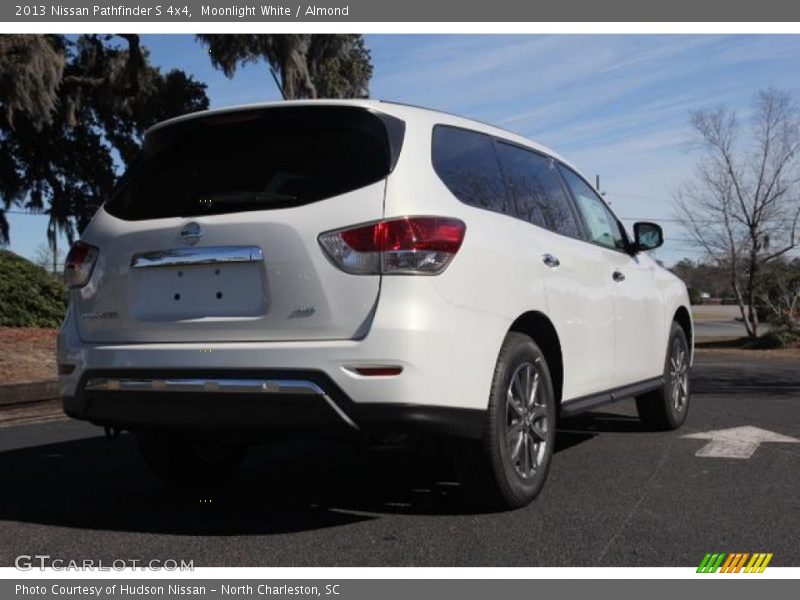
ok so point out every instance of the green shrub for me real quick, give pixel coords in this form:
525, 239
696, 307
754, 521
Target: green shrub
787, 337
779, 337
29, 295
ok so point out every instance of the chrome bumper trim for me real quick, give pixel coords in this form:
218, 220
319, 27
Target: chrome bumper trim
224, 386
209, 255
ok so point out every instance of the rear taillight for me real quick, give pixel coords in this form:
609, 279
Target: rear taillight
80, 263
404, 246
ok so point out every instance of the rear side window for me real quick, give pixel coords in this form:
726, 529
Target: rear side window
536, 189
256, 160
552, 198
503, 178
466, 162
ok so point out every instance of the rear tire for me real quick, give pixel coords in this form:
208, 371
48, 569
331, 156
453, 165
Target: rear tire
508, 467
667, 407
190, 462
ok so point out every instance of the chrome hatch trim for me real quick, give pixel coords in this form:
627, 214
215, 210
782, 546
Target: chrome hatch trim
206, 255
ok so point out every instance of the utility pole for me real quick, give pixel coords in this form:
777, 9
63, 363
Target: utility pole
597, 187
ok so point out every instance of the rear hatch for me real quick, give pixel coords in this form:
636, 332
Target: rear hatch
212, 235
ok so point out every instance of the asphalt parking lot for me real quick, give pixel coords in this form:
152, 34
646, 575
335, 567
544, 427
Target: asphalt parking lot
617, 494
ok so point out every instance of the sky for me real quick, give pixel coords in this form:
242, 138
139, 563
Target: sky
614, 105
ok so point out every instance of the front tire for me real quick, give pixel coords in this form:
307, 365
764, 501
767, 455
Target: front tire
667, 407
190, 462
508, 467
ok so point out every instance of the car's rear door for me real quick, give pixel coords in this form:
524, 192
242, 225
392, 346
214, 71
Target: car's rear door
212, 235
579, 298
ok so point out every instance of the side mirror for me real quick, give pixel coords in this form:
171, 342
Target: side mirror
647, 236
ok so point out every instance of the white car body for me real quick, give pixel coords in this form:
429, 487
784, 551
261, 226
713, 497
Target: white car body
295, 311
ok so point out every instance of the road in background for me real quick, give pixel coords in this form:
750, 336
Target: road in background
719, 322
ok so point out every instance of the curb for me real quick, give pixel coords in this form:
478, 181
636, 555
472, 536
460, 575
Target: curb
24, 393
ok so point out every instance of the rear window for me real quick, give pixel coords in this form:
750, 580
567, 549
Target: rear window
256, 160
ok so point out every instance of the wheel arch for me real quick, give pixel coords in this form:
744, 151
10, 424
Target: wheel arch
539, 327
683, 318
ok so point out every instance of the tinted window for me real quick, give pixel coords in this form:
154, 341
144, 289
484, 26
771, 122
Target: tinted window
601, 224
466, 163
536, 190
254, 160
522, 186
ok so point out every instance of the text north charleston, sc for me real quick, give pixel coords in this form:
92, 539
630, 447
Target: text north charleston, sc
173, 589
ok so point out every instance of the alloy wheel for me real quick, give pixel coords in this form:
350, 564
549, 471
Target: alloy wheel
526, 420
679, 376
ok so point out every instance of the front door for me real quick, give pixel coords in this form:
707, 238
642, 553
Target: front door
638, 318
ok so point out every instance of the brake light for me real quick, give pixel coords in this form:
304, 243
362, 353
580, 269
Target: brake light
80, 264
404, 246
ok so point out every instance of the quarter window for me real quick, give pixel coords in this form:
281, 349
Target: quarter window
467, 164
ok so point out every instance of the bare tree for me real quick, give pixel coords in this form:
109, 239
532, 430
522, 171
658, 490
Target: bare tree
48, 258
743, 206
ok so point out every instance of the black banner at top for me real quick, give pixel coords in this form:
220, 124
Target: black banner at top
277, 11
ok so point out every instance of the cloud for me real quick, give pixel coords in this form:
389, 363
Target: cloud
616, 105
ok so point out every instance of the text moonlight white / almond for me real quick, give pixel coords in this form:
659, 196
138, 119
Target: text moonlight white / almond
240, 11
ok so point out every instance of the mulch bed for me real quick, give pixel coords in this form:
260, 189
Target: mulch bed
27, 354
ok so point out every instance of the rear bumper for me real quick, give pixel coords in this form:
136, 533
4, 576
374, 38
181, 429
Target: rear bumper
297, 403
447, 354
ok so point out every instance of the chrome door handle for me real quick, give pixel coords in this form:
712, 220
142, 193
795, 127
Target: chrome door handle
550, 260
618, 276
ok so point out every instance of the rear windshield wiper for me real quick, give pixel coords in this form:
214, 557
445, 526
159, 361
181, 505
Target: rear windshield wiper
248, 198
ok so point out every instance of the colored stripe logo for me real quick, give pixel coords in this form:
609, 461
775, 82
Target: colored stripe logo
735, 562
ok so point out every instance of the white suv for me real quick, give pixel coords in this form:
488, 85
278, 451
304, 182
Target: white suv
357, 268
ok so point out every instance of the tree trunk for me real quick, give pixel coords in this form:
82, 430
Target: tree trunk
287, 82
752, 315
744, 308
295, 75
